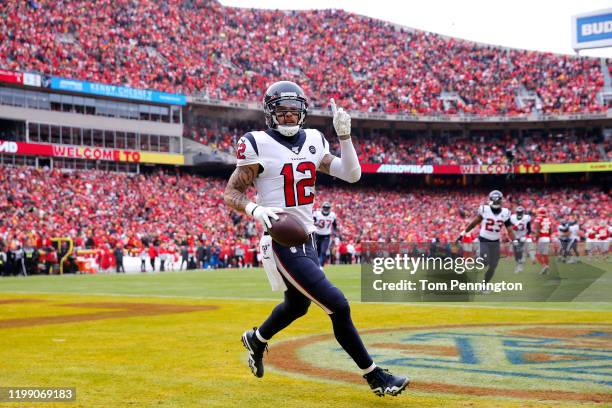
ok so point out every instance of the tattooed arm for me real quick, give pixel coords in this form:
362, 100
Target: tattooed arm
235, 191
235, 195
326, 163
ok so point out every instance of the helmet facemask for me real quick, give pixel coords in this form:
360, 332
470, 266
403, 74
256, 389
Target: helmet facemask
495, 199
279, 107
326, 209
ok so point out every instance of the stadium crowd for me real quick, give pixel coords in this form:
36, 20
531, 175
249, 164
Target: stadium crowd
478, 149
171, 215
202, 48
378, 146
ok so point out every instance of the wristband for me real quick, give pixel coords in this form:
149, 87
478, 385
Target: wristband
250, 208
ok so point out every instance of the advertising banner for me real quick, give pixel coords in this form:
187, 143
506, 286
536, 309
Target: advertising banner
485, 168
94, 88
592, 30
89, 153
11, 77
21, 78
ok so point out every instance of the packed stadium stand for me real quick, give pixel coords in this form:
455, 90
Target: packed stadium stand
485, 147
462, 103
203, 48
99, 209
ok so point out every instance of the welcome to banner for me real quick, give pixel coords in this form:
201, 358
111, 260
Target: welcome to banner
89, 153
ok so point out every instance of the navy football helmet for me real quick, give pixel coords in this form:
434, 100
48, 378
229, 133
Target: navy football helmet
283, 96
495, 199
326, 208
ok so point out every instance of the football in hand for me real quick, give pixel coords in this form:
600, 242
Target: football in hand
288, 230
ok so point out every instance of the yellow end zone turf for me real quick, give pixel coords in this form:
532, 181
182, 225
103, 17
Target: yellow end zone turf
142, 352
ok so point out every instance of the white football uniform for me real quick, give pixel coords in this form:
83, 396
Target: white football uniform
563, 231
574, 231
520, 226
324, 222
492, 224
289, 170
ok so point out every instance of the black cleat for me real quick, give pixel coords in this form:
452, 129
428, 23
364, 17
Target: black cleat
382, 382
255, 350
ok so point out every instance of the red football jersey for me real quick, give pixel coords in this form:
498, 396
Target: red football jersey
544, 225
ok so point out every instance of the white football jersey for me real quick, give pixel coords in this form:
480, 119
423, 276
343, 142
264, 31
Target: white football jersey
324, 222
562, 232
289, 170
520, 226
574, 231
492, 224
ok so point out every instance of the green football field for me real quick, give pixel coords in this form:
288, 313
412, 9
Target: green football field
173, 340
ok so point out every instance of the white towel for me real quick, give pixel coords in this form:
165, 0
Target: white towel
267, 259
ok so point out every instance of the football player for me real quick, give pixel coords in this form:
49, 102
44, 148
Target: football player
574, 233
521, 225
591, 238
325, 221
492, 218
281, 162
563, 232
542, 227
603, 237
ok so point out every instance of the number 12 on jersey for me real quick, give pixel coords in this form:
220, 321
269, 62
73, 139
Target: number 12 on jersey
293, 189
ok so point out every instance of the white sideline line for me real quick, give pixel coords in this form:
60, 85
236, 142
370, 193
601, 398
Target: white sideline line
454, 305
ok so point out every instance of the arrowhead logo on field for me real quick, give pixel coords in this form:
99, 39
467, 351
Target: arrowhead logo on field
557, 362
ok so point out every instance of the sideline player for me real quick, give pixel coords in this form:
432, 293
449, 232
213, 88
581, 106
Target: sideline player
542, 227
603, 238
492, 219
521, 225
325, 221
281, 163
563, 234
574, 239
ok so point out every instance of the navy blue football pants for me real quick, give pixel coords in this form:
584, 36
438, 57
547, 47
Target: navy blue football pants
307, 283
322, 247
490, 252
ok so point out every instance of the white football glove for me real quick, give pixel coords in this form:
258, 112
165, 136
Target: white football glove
342, 120
262, 214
